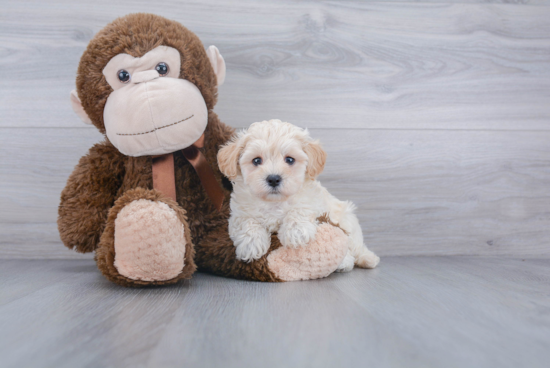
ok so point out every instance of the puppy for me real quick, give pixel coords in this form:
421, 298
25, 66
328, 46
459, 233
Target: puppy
273, 167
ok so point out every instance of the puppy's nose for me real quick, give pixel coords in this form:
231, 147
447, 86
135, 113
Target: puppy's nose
274, 180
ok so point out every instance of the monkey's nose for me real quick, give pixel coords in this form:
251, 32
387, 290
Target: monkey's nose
274, 180
145, 76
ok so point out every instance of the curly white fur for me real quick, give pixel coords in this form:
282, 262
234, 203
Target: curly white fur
291, 209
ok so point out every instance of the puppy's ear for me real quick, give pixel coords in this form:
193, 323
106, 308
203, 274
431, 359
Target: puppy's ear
228, 158
317, 157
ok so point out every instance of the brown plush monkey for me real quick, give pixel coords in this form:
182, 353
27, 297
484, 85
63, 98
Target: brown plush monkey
149, 199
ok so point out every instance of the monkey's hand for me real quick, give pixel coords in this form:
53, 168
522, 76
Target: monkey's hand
89, 194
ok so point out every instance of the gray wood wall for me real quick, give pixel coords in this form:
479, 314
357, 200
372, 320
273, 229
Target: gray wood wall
435, 114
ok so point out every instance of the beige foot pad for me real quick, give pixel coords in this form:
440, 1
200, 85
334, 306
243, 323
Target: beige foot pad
318, 259
149, 241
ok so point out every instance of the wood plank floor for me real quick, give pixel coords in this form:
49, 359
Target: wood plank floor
410, 312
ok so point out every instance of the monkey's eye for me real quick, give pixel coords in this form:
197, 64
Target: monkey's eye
290, 160
257, 161
123, 76
162, 69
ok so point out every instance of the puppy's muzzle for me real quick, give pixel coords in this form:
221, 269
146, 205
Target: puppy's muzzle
274, 180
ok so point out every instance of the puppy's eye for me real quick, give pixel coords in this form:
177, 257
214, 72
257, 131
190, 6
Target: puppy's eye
162, 69
290, 160
123, 76
257, 161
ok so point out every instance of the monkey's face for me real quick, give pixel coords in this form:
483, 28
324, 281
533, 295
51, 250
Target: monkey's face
148, 83
151, 111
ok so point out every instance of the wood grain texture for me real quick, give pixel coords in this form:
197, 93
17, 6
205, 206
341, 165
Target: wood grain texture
430, 192
329, 64
410, 312
434, 114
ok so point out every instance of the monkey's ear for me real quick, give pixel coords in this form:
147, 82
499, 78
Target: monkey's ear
217, 62
77, 107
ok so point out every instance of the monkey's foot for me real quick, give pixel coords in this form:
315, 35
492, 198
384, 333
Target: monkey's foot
146, 241
149, 241
319, 258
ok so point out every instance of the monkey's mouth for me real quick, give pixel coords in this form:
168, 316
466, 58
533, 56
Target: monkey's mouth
162, 127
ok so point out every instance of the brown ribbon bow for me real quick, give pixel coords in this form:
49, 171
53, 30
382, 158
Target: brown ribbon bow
163, 173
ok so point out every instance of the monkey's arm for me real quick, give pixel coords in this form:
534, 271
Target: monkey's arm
215, 253
89, 194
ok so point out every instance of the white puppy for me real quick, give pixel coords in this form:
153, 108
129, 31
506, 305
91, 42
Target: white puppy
273, 167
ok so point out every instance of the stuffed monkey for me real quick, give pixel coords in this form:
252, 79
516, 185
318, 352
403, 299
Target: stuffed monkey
150, 199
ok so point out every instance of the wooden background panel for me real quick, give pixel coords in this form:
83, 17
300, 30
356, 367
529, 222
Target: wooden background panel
323, 64
36, 164
435, 115
418, 192
445, 192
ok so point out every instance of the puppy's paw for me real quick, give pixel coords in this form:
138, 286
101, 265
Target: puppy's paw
367, 259
347, 263
297, 234
251, 247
